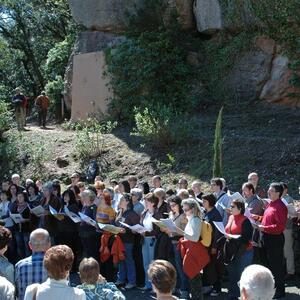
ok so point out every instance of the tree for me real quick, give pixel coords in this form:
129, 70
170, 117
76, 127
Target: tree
29, 29
218, 167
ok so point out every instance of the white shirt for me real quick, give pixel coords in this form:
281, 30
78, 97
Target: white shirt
147, 222
3, 211
53, 290
192, 229
7, 290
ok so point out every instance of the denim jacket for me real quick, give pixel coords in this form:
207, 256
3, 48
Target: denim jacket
7, 269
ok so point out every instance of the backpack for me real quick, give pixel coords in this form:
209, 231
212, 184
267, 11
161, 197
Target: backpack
206, 233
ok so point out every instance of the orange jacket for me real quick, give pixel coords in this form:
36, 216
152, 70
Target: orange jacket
117, 249
195, 257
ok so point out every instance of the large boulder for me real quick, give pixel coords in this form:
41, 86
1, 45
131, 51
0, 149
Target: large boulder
104, 15
87, 42
112, 15
215, 15
251, 70
278, 88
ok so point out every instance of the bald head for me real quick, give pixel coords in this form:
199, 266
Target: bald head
39, 240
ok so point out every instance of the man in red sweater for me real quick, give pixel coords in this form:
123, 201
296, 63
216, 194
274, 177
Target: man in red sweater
272, 226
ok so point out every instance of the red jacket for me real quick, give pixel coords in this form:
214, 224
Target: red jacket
195, 257
117, 249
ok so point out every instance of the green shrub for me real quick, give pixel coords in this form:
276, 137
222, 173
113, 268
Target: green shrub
89, 138
150, 70
161, 126
5, 117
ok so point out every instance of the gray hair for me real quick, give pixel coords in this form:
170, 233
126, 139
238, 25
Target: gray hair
160, 193
88, 193
39, 239
193, 204
258, 283
138, 192
48, 186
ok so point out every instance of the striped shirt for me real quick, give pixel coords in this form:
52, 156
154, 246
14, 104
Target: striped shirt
28, 271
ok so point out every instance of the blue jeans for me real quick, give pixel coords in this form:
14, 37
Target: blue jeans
22, 240
184, 281
148, 256
235, 269
127, 266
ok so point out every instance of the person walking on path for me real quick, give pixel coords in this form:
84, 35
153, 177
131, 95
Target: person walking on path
19, 102
42, 103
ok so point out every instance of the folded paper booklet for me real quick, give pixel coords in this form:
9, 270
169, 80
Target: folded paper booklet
221, 228
165, 223
74, 217
110, 228
38, 211
59, 216
137, 228
87, 219
17, 218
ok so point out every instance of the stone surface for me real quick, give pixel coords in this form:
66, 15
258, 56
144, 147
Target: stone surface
90, 93
215, 15
87, 42
278, 88
249, 74
104, 15
208, 16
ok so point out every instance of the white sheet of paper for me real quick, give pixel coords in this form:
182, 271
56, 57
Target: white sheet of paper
17, 218
38, 211
292, 213
138, 228
109, 228
72, 216
87, 219
221, 228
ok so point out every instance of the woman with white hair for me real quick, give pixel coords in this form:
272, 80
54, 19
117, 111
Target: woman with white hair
257, 283
194, 254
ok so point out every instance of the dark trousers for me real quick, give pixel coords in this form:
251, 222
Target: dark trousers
273, 258
138, 259
91, 245
42, 117
196, 287
213, 272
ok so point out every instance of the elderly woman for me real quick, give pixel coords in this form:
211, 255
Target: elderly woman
90, 238
48, 221
94, 285
58, 262
163, 277
238, 224
127, 267
137, 195
194, 254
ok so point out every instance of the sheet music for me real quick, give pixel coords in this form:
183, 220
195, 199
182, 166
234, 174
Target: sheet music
221, 228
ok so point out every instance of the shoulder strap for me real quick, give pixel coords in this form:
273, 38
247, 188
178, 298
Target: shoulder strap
221, 195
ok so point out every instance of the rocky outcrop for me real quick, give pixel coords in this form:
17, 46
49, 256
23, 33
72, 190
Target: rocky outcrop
215, 15
87, 42
278, 88
263, 73
251, 71
112, 15
104, 15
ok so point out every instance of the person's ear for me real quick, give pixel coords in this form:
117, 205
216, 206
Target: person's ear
244, 294
30, 246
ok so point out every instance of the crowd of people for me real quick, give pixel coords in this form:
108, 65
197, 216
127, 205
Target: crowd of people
113, 234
